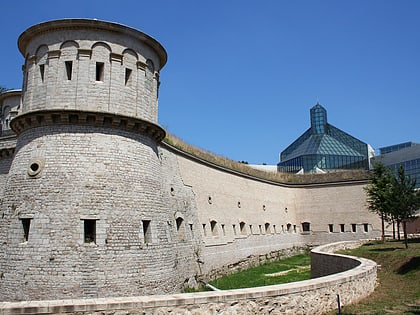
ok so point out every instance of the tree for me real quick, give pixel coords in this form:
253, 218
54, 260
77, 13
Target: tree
2, 89
405, 200
379, 192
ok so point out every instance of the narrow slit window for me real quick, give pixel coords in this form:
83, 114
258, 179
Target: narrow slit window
100, 71
223, 229
180, 228
213, 228
342, 228
204, 229
127, 75
353, 228
147, 231
26, 224
90, 231
42, 72
242, 228
234, 229
331, 228
69, 69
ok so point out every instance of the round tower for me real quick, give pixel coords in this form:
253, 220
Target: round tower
82, 213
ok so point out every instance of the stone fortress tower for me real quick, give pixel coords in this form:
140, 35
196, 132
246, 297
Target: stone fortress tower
83, 213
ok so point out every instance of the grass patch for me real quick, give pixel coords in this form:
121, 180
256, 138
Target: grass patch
398, 291
282, 178
296, 268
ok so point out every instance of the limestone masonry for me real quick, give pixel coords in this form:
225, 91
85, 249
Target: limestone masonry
94, 204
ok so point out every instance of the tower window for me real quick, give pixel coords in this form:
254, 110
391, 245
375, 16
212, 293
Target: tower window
127, 75
213, 227
267, 228
342, 228
26, 224
180, 228
242, 228
331, 227
99, 71
353, 228
42, 72
90, 230
69, 69
306, 227
147, 231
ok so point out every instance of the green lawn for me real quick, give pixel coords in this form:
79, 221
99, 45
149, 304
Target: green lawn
398, 291
296, 268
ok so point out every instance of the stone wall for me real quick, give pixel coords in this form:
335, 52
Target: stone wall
240, 216
315, 296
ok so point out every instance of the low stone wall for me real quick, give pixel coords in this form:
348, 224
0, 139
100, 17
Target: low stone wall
315, 296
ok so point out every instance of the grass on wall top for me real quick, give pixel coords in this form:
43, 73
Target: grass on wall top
283, 178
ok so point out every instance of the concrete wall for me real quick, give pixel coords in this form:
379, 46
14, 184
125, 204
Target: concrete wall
315, 296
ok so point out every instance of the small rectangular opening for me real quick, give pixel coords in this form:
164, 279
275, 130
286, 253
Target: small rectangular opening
26, 224
242, 228
213, 228
234, 229
127, 75
342, 228
331, 228
223, 229
90, 230
353, 228
147, 231
366, 227
99, 71
69, 69
306, 227
204, 229
42, 72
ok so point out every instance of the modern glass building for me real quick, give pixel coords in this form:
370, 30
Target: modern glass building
406, 154
323, 147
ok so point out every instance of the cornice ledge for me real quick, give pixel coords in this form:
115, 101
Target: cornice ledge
69, 117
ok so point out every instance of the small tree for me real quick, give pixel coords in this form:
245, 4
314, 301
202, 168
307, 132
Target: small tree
2, 89
379, 192
405, 200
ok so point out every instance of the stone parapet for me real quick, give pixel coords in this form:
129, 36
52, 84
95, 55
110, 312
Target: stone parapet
315, 296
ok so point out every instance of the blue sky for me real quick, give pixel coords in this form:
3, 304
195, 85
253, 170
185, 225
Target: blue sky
242, 75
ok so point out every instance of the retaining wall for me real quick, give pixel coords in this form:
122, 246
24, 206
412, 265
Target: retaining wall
315, 296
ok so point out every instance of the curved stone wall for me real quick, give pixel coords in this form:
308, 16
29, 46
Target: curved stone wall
315, 296
240, 216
